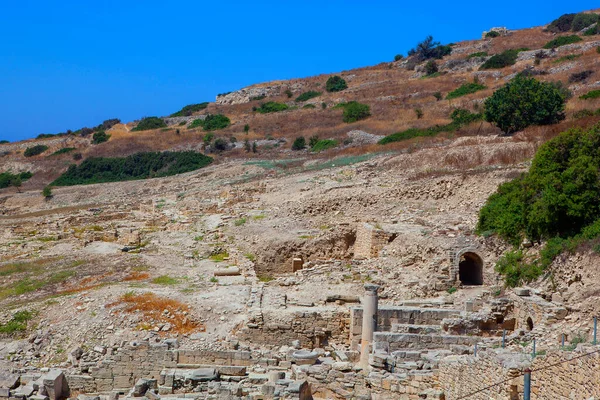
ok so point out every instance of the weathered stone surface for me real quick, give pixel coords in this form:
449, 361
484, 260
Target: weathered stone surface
204, 375
9, 381
55, 385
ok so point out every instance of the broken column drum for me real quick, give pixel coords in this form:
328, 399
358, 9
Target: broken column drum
369, 322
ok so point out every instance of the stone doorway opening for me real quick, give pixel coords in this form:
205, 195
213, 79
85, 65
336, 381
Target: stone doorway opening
470, 269
529, 324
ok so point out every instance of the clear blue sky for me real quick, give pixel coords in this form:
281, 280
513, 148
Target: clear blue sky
73, 63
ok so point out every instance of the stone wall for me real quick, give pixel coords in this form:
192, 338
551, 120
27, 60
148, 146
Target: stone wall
313, 328
369, 240
557, 375
145, 360
390, 315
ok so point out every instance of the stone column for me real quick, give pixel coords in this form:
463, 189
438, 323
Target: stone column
369, 323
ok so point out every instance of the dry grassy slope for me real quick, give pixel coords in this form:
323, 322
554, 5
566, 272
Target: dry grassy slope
392, 92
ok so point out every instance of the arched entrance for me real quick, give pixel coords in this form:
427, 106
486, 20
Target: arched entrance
470, 269
529, 324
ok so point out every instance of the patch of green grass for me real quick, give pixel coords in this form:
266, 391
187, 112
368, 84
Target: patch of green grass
214, 279
47, 239
18, 323
271, 107
465, 89
324, 144
570, 57
265, 278
199, 238
452, 290
165, 280
219, 257
250, 256
478, 54
239, 222
305, 237
561, 41
593, 94
259, 217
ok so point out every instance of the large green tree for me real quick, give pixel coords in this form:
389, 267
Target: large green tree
523, 102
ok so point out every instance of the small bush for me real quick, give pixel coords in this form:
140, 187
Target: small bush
593, 94
215, 122
570, 57
47, 192
562, 41
438, 96
582, 21
64, 150
100, 137
299, 143
308, 95
504, 59
431, 67
309, 106
594, 30
271, 107
35, 150
220, 145
18, 323
419, 113
428, 49
246, 129
335, 84
580, 76
77, 156
288, 93
465, 89
452, 290
354, 111
323, 145
259, 97
150, 123
492, 34
190, 110
398, 57
323, 105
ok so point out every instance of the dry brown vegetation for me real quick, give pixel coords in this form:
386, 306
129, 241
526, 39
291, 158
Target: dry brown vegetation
153, 307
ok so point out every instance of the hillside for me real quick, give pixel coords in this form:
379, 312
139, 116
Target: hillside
262, 249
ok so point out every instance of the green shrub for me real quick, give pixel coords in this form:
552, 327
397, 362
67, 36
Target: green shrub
335, 84
214, 122
460, 117
492, 34
308, 95
64, 150
4, 141
133, 167
556, 198
465, 89
398, 57
149, 123
190, 109
562, 24
504, 59
323, 145
271, 107
259, 97
220, 145
354, 111
593, 94
561, 41
77, 156
246, 129
47, 192
431, 67
299, 143
7, 179
419, 113
100, 137
35, 150
523, 102
309, 106
288, 93
208, 138
197, 123
477, 55
582, 21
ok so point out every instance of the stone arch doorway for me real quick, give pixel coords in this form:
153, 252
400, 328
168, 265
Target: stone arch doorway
529, 324
470, 269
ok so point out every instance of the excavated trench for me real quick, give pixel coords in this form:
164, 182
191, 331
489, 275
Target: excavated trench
276, 257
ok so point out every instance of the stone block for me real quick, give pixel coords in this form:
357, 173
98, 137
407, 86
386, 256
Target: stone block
140, 388
56, 385
9, 381
4, 392
204, 375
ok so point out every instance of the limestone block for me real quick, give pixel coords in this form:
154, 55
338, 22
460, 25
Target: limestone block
204, 375
9, 381
231, 271
56, 385
4, 392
